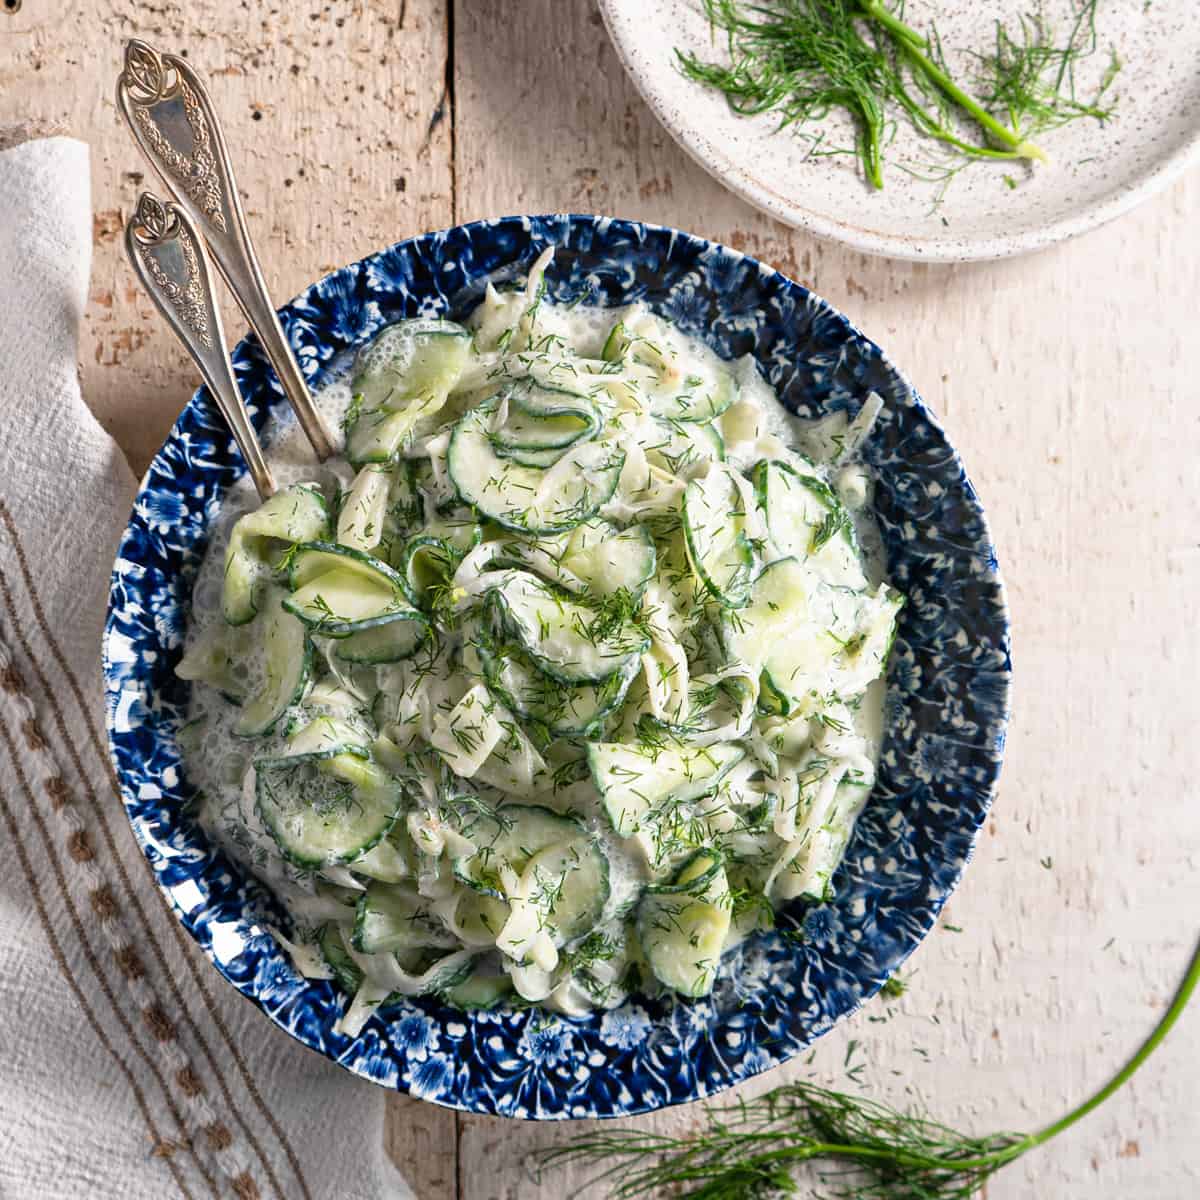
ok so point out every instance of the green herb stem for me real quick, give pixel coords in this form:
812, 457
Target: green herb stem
1173, 1013
915, 48
749, 1148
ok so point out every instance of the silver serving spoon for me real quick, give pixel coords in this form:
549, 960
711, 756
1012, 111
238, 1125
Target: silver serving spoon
168, 255
172, 120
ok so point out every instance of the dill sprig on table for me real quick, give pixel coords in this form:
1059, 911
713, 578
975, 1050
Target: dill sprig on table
863, 1150
804, 58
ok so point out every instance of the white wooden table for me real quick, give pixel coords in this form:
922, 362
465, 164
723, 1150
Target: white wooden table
1068, 381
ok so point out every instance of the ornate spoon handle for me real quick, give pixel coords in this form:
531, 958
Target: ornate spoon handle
168, 255
172, 120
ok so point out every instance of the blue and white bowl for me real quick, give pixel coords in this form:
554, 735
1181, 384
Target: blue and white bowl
947, 705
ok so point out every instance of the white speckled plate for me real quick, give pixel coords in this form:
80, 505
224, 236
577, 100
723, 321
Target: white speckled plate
1096, 173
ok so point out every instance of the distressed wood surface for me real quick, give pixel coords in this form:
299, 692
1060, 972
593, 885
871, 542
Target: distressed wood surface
1066, 379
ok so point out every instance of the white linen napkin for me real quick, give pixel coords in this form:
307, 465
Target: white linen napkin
128, 1067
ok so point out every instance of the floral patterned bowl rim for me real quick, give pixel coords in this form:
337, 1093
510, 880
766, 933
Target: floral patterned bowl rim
947, 705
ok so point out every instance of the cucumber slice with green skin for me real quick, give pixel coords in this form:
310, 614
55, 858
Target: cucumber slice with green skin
811, 641
558, 897
427, 562
326, 812
346, 972
686, 448
481, 990
392, 641
702, 394
340, 603
542, 418
718, 549
380, 436
564, 710
363, 515
340, 591
560, 635
510, 837
608, 559
543, 460
390, 918
405, 374
683, 926
457, 527
807, 521
296, 514
322, 737
530, 499
313, 559
422, 356
287, 657
634, 783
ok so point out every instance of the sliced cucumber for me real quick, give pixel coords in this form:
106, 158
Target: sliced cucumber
510, 836
314, 559
812, 642
479, 916
326, 812
259, 539
458, 527
718, 549
405, 511
558, 897
567, 640
482, 989
542, 459
608, 559
634, 782
391, 918
340, 591
385, 861
530, 499
287, 663
683, 926
807, 521
363, 515
405, 374
701, 394
391, 641
541, 418
346, 972
427, 562
418, 357
686, 448
564, 710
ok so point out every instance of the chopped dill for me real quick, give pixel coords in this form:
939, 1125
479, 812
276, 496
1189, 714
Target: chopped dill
802, 59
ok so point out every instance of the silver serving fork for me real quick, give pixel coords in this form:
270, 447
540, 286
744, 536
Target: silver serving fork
172, 120
167, 253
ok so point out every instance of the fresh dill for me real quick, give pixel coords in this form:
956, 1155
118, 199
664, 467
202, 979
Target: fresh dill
802, 59
860, 1149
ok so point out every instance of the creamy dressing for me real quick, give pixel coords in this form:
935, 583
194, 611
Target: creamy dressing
755, 427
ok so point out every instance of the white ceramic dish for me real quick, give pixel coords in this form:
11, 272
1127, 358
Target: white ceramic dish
1096, 173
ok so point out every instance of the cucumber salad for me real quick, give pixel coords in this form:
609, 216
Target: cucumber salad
560, 681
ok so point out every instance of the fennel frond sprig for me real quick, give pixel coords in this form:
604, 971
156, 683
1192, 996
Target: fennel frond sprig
804, 58
862, 1149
